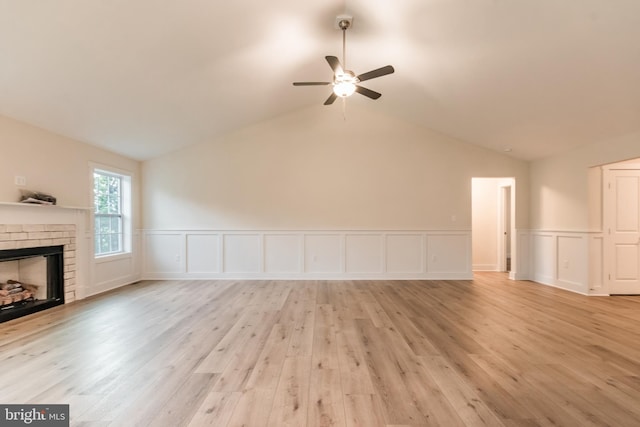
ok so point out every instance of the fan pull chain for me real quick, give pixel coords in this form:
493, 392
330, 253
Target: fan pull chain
344, 109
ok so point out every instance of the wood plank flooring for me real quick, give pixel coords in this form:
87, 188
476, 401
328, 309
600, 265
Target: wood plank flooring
487, 352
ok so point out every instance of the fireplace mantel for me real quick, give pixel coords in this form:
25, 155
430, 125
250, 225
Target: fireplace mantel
26, 213
35, 205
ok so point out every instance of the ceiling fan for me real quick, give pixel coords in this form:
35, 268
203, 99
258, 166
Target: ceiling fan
345, 82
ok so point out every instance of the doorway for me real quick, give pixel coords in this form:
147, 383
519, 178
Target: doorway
504, 220
492, 224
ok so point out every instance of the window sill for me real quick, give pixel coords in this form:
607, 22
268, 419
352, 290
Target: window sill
112, 257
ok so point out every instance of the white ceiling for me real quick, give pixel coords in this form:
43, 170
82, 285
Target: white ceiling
145, 77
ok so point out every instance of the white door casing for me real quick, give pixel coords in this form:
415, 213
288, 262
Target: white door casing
622, 229
505, 218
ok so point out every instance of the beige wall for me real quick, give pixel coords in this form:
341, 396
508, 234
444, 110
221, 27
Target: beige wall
52, 164
313, 170
560, 186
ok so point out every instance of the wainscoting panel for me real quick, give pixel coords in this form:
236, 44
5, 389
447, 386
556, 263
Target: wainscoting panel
203, 253
521, 269
323, 253
312, 254
282, 254
544, 258
164, 252
405, 253
572, 259
112, 273
569, 260
596, 268
364, 253
242, 253
448, 254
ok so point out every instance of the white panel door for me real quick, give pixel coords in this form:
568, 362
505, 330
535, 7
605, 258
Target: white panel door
622, 220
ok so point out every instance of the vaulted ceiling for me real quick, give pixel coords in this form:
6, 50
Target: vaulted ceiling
143, 77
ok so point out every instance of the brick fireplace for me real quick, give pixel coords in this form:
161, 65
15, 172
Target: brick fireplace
22, 236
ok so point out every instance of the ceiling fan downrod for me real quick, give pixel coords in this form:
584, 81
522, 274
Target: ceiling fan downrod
344, 25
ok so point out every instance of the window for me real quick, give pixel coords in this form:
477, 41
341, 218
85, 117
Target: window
111, 198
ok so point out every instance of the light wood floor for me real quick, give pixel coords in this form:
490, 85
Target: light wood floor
339, 353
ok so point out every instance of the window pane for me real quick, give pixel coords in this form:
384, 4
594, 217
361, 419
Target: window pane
114, 195
104, 244
115, 225
105, 227
107, 193
100, 193
115, 242
108, 207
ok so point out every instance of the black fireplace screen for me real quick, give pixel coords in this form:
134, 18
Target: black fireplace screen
22, 293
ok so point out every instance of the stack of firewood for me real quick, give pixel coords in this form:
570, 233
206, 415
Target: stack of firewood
14, 291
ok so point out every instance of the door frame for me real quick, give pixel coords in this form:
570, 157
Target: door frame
501, 185
505, 228
608, 214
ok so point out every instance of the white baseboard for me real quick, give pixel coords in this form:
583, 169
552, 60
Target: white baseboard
110, 285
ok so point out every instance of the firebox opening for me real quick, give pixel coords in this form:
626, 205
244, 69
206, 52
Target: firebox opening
31, 280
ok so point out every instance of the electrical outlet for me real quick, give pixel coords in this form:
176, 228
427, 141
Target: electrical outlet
20, 181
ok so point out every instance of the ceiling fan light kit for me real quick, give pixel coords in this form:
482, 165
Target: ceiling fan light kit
345, 82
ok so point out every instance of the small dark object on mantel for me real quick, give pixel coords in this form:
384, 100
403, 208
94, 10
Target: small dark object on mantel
37, 198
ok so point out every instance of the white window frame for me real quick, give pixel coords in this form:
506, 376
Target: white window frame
125, 210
